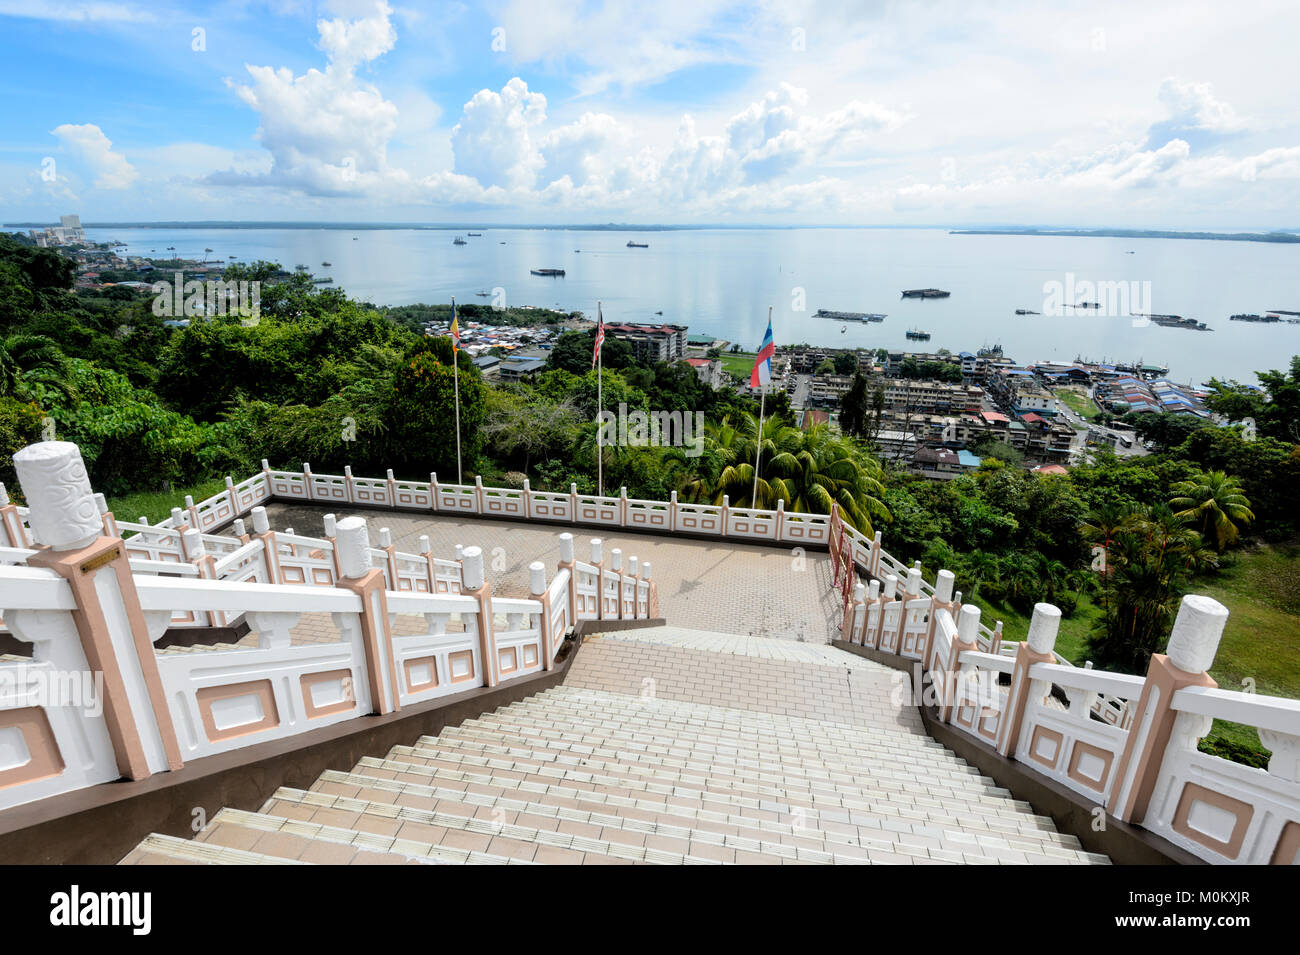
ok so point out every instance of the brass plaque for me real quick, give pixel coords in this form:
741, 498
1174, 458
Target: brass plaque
102, 560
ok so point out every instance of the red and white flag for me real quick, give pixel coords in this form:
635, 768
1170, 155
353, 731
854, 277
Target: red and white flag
600, 336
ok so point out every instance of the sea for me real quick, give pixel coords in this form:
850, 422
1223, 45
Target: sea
722, 282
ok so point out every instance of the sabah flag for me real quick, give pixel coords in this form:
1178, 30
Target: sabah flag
762, 372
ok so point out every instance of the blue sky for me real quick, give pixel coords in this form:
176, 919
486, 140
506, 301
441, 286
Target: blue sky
1177, 115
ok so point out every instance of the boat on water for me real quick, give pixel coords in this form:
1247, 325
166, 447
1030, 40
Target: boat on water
844, 329
549, 272
1025, 311
483, 294
325, 265
1174, 321
459, 241
925, 293
916, 335
1270, 317
474, 233
638, 245
850, 316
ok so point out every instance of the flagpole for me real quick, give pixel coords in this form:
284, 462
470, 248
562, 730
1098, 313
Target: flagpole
600, 407
762, 407
455, 377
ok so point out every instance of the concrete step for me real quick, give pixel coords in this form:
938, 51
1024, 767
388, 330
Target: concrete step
157, 849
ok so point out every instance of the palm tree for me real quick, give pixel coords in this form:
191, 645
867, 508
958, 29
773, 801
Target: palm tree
1213, 502
810, 471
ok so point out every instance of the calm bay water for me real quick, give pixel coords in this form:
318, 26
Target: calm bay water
721, 282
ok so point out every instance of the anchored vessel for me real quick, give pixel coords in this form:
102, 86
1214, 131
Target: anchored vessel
925, 293
638, 245
850, 316
547, 271
916, 335
459, 241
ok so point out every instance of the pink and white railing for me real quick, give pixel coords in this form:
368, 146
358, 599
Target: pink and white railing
1142, 768
96, 702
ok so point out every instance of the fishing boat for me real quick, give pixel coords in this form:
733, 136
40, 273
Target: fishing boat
548, 272
459, 241
916, 335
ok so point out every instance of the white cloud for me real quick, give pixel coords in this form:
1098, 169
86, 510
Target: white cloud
327, 130
112, 171
1194, 106
493, 142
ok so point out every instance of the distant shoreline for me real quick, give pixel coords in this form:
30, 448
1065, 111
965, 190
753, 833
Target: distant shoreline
1284, 238
1281, 237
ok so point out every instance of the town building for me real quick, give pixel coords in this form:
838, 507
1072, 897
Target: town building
651, 343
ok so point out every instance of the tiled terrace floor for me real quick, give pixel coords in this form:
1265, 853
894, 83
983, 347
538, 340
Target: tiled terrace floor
703, 585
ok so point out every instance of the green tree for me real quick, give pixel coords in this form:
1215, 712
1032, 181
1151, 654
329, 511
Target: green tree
1212, 502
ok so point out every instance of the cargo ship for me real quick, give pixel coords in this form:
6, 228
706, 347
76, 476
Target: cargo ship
1025, 311
850, 316
916, 335
1175, 321
1255, 318
925, 293
559, 272
638, 245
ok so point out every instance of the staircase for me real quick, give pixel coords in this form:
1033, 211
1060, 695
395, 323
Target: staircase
664, 746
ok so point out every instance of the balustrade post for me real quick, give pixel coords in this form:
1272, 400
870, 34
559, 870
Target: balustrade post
433, 491
528, 500
192, 511
386, 545
780, 519
116, 639
616, 572
240, 531
568, 561
877, 548
848, 626
942, 600
306, 481
331, 534
537, 587
479, 501
573, 502
622, 507
348, 484
725, 527
12, 522
105, 515
230, 493
862, 637
391, 482
1037, 647
430, 568
270, 552
966, 638
1193, 644
474, 584
652, 596
672, 511
888, 597
634, 571
358, 574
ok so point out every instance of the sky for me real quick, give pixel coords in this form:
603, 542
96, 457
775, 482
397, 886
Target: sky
1141, 115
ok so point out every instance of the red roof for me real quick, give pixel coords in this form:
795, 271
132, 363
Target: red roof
1051, 469
698, 362
993, 416
1032, 418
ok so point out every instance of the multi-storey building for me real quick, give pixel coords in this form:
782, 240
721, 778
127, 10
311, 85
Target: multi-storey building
651, 342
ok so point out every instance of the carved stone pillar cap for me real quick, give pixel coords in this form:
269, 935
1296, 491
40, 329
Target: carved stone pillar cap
1042, 628
1195, 637
54, 481
353, 543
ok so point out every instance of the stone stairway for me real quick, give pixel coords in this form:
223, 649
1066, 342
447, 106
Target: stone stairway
663, 746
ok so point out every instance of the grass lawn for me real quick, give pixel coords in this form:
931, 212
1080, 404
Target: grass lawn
1078, 402
1261, 643
157, 505
739, 364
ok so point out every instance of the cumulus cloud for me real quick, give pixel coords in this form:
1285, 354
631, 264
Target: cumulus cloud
112, 171
494, 140
327, 130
